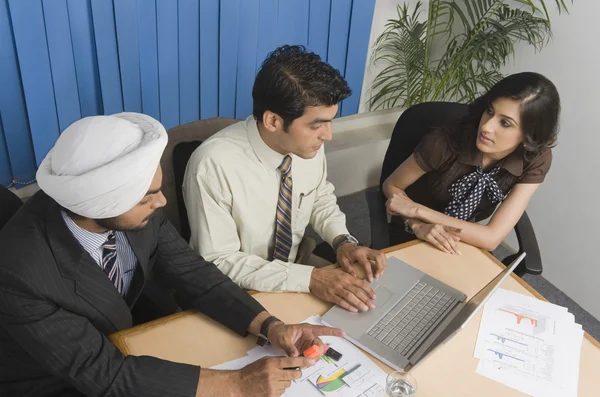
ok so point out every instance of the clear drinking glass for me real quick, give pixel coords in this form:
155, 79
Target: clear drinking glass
400, 384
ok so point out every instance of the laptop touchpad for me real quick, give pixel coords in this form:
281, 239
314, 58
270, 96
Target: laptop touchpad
355, 324
382, 293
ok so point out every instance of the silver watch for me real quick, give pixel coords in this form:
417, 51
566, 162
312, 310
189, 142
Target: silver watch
346, 238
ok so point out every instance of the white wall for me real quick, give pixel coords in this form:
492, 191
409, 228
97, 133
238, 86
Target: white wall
564, 211
355, 155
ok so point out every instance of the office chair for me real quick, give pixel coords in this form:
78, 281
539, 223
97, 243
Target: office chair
412, 125
10, 203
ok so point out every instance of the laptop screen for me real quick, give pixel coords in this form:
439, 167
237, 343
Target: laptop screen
473, 305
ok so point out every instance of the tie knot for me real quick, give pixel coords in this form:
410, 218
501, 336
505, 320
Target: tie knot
286, 165
111, 239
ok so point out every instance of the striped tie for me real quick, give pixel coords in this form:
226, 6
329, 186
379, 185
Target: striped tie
283, 227
110, 264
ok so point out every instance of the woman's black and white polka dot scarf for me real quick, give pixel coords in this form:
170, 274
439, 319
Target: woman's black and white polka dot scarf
467, 192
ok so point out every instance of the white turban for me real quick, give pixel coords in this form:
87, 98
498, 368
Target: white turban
102, 166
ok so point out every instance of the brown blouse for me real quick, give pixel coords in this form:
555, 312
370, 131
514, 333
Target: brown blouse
443, 167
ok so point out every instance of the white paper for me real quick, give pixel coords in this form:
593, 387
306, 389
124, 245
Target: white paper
353, 375
529, 345
235, 364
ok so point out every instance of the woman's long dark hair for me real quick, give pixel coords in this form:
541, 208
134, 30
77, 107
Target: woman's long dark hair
540, 109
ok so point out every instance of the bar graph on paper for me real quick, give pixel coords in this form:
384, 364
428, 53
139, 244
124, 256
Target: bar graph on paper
525, 344
520, 340
523, 319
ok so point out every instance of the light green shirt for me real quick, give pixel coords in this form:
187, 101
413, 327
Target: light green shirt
231, 188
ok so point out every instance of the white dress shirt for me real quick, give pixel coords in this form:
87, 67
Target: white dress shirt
231, 188
92, 243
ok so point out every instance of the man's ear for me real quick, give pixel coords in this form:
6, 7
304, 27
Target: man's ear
272, 121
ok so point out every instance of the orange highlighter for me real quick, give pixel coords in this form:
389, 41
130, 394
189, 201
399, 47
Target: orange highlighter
315, 352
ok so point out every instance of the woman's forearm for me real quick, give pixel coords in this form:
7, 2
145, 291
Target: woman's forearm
482, 236
390, 189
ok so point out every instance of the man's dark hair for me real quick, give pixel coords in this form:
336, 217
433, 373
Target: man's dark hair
292, 78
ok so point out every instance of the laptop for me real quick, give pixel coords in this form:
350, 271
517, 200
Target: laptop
415, 314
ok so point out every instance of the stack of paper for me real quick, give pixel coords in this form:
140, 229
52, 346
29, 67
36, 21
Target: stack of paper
530, 345
354, 375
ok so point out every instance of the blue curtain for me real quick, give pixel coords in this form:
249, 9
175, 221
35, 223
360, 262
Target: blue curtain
176, 60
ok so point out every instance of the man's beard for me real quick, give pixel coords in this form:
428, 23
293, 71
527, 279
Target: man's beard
115, 224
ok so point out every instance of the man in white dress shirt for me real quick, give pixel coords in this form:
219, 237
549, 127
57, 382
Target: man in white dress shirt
251, 189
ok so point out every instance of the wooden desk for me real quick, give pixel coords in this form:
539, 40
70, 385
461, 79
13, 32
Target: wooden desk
190, 337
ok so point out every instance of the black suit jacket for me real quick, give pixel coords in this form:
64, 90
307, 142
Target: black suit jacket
57, 307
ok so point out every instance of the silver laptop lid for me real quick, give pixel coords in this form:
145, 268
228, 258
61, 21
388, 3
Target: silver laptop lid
472, 306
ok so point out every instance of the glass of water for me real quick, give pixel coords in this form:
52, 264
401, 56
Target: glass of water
400, 384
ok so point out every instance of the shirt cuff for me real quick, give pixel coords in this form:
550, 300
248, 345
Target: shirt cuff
333, 231
299, 278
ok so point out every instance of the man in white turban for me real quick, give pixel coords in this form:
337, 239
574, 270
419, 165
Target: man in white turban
76, 257
102, 166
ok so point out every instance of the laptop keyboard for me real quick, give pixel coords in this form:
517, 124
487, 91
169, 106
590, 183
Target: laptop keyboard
411, 319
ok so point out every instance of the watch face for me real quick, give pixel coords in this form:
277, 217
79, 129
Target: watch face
348, 238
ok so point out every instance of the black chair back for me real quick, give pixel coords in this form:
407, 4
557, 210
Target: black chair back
9, 205
189, 136
181, 155
415, 122
412, 125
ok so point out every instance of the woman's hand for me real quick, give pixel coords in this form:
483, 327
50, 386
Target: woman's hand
442, 237
401, 205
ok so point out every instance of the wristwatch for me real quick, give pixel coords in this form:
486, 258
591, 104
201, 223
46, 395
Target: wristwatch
263, 339
343, 239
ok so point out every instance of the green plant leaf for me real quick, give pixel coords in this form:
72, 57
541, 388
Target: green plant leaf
479, 37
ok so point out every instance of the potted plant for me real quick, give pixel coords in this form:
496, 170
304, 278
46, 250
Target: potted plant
457, 52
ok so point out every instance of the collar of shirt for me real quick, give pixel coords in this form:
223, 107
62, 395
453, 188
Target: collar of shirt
512, 163
267, 156
91, 242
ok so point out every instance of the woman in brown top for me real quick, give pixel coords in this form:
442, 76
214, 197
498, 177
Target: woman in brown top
498, 154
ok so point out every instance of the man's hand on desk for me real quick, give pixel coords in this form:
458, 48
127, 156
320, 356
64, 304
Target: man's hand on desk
295, 338
263, 378
337, 286
372, 261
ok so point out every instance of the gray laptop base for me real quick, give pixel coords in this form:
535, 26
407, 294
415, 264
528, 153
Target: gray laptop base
415, 313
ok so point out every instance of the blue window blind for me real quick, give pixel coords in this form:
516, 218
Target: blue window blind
175, 60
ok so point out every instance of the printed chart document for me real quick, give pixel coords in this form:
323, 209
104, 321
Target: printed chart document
530, 345
354, 375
